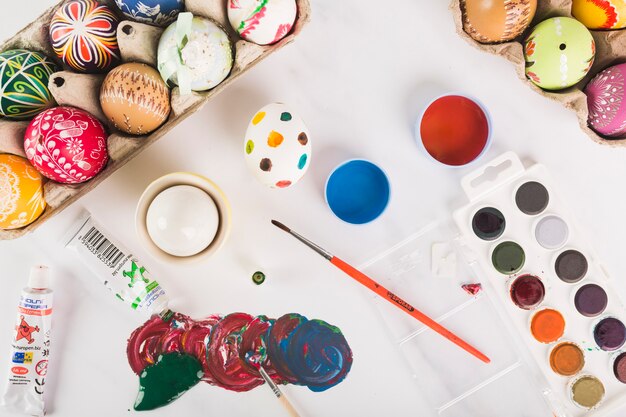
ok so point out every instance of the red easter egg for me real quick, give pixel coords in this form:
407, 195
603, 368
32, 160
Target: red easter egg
66, 144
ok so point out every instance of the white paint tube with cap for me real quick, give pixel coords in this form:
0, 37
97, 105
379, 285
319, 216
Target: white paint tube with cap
30, 349
116, 267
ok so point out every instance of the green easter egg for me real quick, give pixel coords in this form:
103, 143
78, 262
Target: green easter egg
558, 52
24, 83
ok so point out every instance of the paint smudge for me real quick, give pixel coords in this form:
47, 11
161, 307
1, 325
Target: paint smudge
258, 117
285, 116
265, 164
161, 383
249, 147
283, 184
229, 350
303, 138
274, 139
302, 161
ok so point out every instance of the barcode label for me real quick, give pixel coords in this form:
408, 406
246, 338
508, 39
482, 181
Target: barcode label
99, 245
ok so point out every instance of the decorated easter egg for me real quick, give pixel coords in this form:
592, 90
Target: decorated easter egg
606, 102
197, 61
135, 99
277, 146
600, 14
84, 36
24, 79
559, 52
262, 21
66, 144
153, 12
497, 21
21, 192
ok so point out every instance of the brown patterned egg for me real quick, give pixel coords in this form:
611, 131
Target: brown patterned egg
135, 99
492, 21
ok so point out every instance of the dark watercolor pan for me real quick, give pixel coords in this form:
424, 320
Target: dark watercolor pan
488, 223
532, 198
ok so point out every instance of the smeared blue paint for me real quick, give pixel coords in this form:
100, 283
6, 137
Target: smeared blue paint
309, 352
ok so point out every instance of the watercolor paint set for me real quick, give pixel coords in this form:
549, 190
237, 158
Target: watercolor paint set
552, 291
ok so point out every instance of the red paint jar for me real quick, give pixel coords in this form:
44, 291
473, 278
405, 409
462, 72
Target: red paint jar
454, 130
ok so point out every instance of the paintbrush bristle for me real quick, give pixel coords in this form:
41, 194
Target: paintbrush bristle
281, 226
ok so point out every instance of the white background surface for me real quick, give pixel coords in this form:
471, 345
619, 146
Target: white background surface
357, 76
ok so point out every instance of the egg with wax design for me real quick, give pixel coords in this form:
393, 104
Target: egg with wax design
606, 102
83, 34
198, 61
497, 21
24, 77
600, 14
153, 12
21, 192
66, 144
134, 98
262, 21
559, 52
277, 146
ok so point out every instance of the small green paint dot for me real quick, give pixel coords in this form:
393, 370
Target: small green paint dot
249, 147
285, 116
302, 161
258, 277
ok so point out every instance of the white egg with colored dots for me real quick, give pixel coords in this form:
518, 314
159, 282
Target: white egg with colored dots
277, 146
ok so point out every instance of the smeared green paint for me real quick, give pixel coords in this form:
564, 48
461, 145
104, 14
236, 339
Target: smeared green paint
285, 116
169, 378
249, 147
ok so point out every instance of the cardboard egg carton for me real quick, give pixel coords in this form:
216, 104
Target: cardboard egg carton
610, 50
138, 43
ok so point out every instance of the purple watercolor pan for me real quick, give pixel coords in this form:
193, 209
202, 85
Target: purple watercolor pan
591, 300
609, 334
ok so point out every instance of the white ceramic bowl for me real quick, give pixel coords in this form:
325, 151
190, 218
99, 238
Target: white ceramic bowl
194, 180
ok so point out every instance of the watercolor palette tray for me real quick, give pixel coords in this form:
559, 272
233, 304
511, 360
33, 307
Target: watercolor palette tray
448, 378
551, 289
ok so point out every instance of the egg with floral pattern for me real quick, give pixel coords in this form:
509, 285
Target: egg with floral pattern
66, 144
21, 192
83, 34
277, 146
600, 14
559, 52
606, 102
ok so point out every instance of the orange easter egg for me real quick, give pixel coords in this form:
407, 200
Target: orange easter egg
21, 192
493, 21
600, 14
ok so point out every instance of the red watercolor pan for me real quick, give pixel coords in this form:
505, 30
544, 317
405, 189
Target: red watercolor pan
454, 130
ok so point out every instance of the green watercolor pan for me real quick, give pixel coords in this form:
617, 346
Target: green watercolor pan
530, 255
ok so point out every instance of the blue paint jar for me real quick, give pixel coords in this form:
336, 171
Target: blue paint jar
357, 191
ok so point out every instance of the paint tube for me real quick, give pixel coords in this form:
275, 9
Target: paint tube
31, 347
116, 267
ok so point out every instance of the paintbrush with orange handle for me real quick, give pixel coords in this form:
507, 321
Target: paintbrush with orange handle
386, 294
